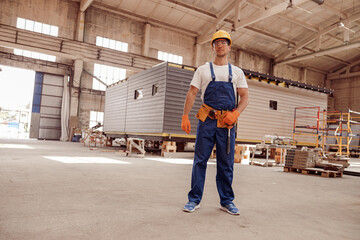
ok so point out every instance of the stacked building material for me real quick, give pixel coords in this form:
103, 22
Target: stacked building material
300, 159
280, 154
168, 146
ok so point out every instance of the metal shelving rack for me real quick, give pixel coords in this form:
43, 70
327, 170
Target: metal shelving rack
330, 130
306, 122
354, 131
335, 131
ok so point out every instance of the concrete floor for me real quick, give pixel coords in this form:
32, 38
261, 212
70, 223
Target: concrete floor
62, 190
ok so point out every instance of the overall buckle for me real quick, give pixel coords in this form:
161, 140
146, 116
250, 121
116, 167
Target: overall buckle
212, 114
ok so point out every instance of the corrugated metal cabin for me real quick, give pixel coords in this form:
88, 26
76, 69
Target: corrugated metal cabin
157, 95
150, 103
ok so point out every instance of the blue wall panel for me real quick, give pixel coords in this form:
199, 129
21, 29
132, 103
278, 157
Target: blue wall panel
39, 77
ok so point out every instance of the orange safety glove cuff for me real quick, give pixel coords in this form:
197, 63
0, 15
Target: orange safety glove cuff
231, 117
185, 124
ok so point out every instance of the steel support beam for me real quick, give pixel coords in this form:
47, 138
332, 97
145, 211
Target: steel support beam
320, 53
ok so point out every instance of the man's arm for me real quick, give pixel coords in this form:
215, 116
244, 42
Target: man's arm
244, 99
231, 117
190, 99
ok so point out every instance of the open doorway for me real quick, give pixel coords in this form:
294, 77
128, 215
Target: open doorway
16, 95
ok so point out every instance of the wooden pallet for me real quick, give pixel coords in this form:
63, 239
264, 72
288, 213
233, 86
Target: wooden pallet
315, 171
168, 146
135, 147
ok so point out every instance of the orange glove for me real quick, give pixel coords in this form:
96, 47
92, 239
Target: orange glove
185, 124
231, 117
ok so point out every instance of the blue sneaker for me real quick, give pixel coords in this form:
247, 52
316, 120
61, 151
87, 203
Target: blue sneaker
231, 209
191, 207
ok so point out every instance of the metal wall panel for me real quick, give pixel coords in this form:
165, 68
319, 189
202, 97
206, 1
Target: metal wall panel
50, 111
177, 85
159, 113
146, 115
53, 90
258, 119
49, 134
50, 108
35, 115
162, 113
115, 107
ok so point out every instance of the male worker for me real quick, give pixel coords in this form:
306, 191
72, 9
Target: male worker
218, 81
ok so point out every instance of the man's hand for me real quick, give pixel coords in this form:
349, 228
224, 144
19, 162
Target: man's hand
231, 117
185, 124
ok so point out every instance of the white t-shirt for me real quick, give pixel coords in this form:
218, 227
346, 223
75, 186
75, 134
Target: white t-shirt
202, 77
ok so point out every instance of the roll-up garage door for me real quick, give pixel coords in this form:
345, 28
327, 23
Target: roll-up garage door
50, 108
46, 114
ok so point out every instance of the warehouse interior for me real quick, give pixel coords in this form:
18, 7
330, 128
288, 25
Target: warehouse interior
78, 83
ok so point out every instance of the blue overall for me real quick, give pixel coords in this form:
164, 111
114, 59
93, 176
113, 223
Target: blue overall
220, 96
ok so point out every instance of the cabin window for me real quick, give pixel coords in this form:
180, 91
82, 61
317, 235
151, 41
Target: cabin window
155, 89
138, 94
273, 105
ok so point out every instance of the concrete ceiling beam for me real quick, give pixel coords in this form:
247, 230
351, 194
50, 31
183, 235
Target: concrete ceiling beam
209, 30
263, 14
315, 36
84, 4
320, 53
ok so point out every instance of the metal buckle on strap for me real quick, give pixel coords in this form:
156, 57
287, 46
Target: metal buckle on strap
212, 114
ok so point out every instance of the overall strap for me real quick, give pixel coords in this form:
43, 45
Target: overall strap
213, 74
230, 72
212, 71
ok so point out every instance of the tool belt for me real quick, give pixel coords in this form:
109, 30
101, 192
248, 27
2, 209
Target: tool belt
206, 111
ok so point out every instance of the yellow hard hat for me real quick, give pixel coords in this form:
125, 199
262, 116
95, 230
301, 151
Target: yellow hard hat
221, 34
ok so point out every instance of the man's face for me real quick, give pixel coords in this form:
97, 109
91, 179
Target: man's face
221, 47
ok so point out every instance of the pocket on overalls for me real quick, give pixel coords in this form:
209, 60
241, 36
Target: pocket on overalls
220, 120
202, 114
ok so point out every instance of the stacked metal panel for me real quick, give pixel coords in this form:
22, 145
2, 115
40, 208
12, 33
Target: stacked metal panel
300, 159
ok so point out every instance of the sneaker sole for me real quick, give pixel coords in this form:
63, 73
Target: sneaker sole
190, 211
226, 210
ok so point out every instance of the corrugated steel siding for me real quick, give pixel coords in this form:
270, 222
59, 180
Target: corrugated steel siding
115, 107
177, 85
146, 115
258, 119
162, 113
124, 113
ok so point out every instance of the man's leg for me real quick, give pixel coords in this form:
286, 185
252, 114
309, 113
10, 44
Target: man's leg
204, 144
225, 165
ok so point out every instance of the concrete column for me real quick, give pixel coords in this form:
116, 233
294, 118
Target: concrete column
327, 83
78, 65
239, 58
197, 55
271, 67
75, 90
80, 26
304, 75
146, 40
